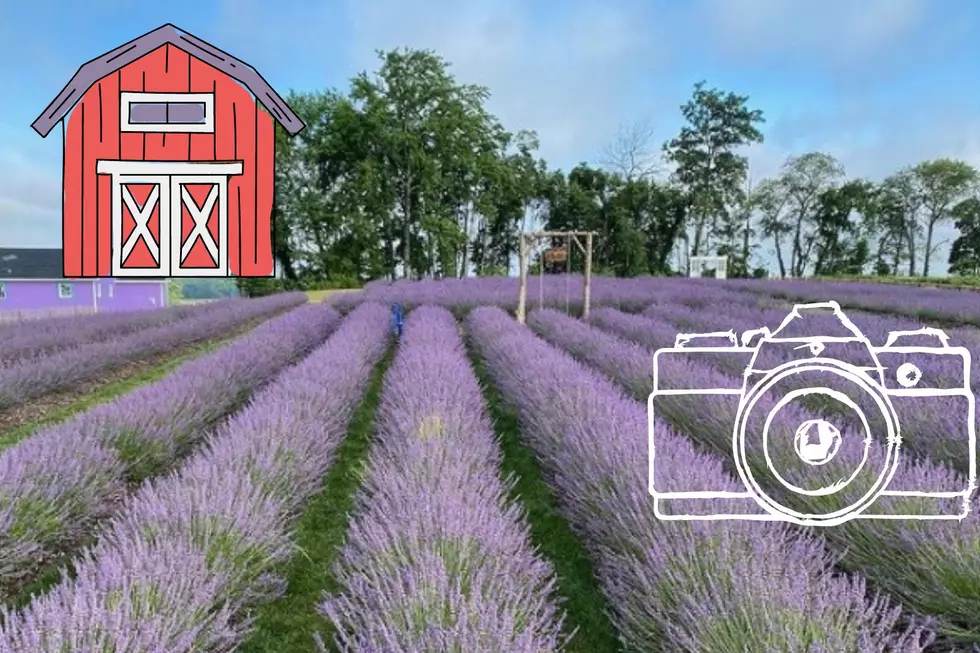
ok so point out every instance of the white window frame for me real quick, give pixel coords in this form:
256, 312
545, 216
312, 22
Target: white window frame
63, 287
127, 97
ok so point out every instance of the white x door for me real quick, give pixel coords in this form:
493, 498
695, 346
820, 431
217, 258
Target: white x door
140, 229
199, 226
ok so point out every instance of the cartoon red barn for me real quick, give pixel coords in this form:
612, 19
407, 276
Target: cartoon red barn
169, 154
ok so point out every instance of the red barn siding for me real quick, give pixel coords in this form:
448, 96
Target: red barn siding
93, 149
243, 131
109, 149
168, 70
71, 215
243, 187
265, 180
132, 145
204, 79
92, 133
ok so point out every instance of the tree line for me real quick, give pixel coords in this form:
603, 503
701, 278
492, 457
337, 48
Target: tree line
406, 174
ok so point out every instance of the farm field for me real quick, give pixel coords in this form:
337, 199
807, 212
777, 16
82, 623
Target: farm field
316, 483
54, 367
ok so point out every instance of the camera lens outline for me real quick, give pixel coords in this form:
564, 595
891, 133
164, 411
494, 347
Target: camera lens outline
843, 398
810, 424
905, 371
849, 372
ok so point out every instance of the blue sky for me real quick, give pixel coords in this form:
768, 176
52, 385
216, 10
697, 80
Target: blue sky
877, 83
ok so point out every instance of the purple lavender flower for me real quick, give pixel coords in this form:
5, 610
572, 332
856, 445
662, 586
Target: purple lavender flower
179, 567
33, 377
437, 557
40, 337
678, 585
932, 427
926, 302
55, 484
461, 295
930, 566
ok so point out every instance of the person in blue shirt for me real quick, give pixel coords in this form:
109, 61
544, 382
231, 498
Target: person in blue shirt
397, 319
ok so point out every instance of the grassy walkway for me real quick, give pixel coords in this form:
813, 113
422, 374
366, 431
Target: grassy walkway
584, 603
288, 624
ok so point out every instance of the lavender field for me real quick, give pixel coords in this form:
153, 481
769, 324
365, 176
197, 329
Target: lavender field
473, 485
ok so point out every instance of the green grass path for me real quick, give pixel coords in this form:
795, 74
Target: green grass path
287, 625
585, 605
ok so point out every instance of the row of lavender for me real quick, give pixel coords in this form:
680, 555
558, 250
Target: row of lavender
28, 378
181, 566
948, 305
45, 336
56, 485
954, 304
437, 557
721, 308
933, 427
933, 567
681, 585
67, 324
461, 295
559, 291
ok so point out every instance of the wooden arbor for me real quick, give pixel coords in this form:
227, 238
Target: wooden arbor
555, 255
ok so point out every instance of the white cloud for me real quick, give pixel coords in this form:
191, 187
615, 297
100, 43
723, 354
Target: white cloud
842, 30
30, 191
567, 82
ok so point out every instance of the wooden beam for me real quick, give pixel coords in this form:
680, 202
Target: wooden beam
586, 300
522, 298
558, 234
568, 267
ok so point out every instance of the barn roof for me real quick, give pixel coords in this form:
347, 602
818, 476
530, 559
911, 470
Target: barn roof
91, 72
30, 263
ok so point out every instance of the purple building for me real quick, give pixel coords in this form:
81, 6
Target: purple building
31, 283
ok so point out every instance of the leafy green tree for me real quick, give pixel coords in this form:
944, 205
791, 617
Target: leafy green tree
432, 132
770, 199
338, 196
736, 232
803, 179
405, 172
901, 201
705, 159
964, 255
943, 183
510, 189
840, 246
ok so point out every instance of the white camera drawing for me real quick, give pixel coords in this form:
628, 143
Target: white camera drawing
814, 421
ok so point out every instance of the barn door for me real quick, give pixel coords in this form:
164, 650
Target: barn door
199, 226
140, 237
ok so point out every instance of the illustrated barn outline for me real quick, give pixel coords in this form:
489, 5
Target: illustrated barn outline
169, 156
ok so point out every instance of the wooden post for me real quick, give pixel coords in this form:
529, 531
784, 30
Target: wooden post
522, 298
527, 239
541, 281
588, 276
568, 269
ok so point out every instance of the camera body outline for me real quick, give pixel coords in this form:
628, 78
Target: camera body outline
874, 378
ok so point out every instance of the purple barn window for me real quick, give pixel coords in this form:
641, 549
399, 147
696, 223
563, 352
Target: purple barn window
167, 113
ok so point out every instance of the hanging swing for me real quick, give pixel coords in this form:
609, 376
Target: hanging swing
556, 255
